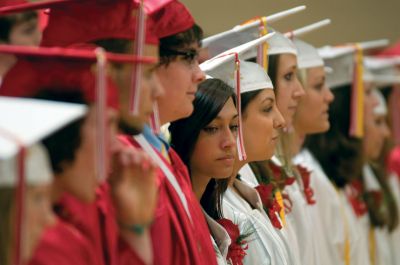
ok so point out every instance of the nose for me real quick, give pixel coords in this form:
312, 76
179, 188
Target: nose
386, 131
228, 139
298, 90
278, 120
157, 89
198, 75
329, 97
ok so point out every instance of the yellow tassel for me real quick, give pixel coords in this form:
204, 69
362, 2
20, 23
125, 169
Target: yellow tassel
372, 243
357, 97
279, 199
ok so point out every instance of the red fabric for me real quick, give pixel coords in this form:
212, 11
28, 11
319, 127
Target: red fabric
393, 50
236, 252
4, 3
308, 190
39, 74
96, 222
172, 19
63, 244
394, 161
354, 195
175, 239
87, 21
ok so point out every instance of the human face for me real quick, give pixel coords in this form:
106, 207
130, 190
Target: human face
312, 112
38, 216
180, 79
80, 178
150, 89
26, 33
214, 152
288, 88
370, 100
376, 131
261, 121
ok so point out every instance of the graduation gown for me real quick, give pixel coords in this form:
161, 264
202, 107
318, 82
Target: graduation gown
266, 244
221, 240
329, 223
176, 237
394, 183
63, 244
383, 253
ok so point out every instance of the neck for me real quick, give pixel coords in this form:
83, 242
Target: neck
56, 190
236, 167
298, 140
199, 184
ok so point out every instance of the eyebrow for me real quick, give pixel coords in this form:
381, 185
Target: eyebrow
220, 118
267, 98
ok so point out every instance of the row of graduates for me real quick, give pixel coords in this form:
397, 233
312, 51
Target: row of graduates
262, 154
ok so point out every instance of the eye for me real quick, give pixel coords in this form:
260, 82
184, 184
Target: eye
210, 129
319, 86
288, 76
234, 128
267, 109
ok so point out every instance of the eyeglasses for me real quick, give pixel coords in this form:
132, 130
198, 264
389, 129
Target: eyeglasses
190, 56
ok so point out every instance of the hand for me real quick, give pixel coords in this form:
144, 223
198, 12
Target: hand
134, 189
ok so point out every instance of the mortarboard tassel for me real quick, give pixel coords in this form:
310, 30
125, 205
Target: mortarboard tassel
357, 96
101, 100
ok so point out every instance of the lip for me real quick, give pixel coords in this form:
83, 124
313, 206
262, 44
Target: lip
228, 159
274, 138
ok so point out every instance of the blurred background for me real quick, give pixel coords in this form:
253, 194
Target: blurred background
352, 20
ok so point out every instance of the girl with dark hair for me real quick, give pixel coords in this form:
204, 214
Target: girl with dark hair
206, 142
241, 203
381, 203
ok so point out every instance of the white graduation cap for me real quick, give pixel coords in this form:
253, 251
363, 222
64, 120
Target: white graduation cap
347, 69
23, 123
381, 108
382, 70
240, 34
307, 55
341, 60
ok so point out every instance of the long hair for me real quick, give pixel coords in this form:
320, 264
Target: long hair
210, 98
339, 154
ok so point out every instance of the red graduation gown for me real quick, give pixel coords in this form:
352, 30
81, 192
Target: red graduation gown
176, 241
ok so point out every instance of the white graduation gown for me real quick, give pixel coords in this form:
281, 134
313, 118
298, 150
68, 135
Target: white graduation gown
329, 224
220, 239
266, 245
383, 253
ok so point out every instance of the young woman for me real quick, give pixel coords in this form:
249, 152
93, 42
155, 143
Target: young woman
379, 198
206, 142
241, 204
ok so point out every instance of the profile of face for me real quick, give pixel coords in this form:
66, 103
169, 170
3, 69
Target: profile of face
376, 132
180, 79
38, 217
79, 177
261, 121
370, 100
26, 33
150, 90
312, 111
288, 87
214, 152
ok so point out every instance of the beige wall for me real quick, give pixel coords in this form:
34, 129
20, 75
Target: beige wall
352, 20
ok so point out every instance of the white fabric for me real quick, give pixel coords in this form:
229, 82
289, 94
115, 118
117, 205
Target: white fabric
252, 76
381, 108
247, 176
307, 55
359, 248
329, 226
266, 244
382, 238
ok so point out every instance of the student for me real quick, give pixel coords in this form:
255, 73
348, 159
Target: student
206, 142
17, 29
20, 138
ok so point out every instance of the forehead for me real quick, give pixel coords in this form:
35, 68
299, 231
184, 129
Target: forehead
287, 60
228, 110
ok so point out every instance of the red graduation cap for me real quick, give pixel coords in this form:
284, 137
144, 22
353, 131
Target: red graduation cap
391, 51
173, 18
4, 3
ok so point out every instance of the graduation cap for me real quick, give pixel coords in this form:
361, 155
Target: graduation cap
346, 62
23, 161
243, 76
381, 108
241, 34
66, 69
383, 70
